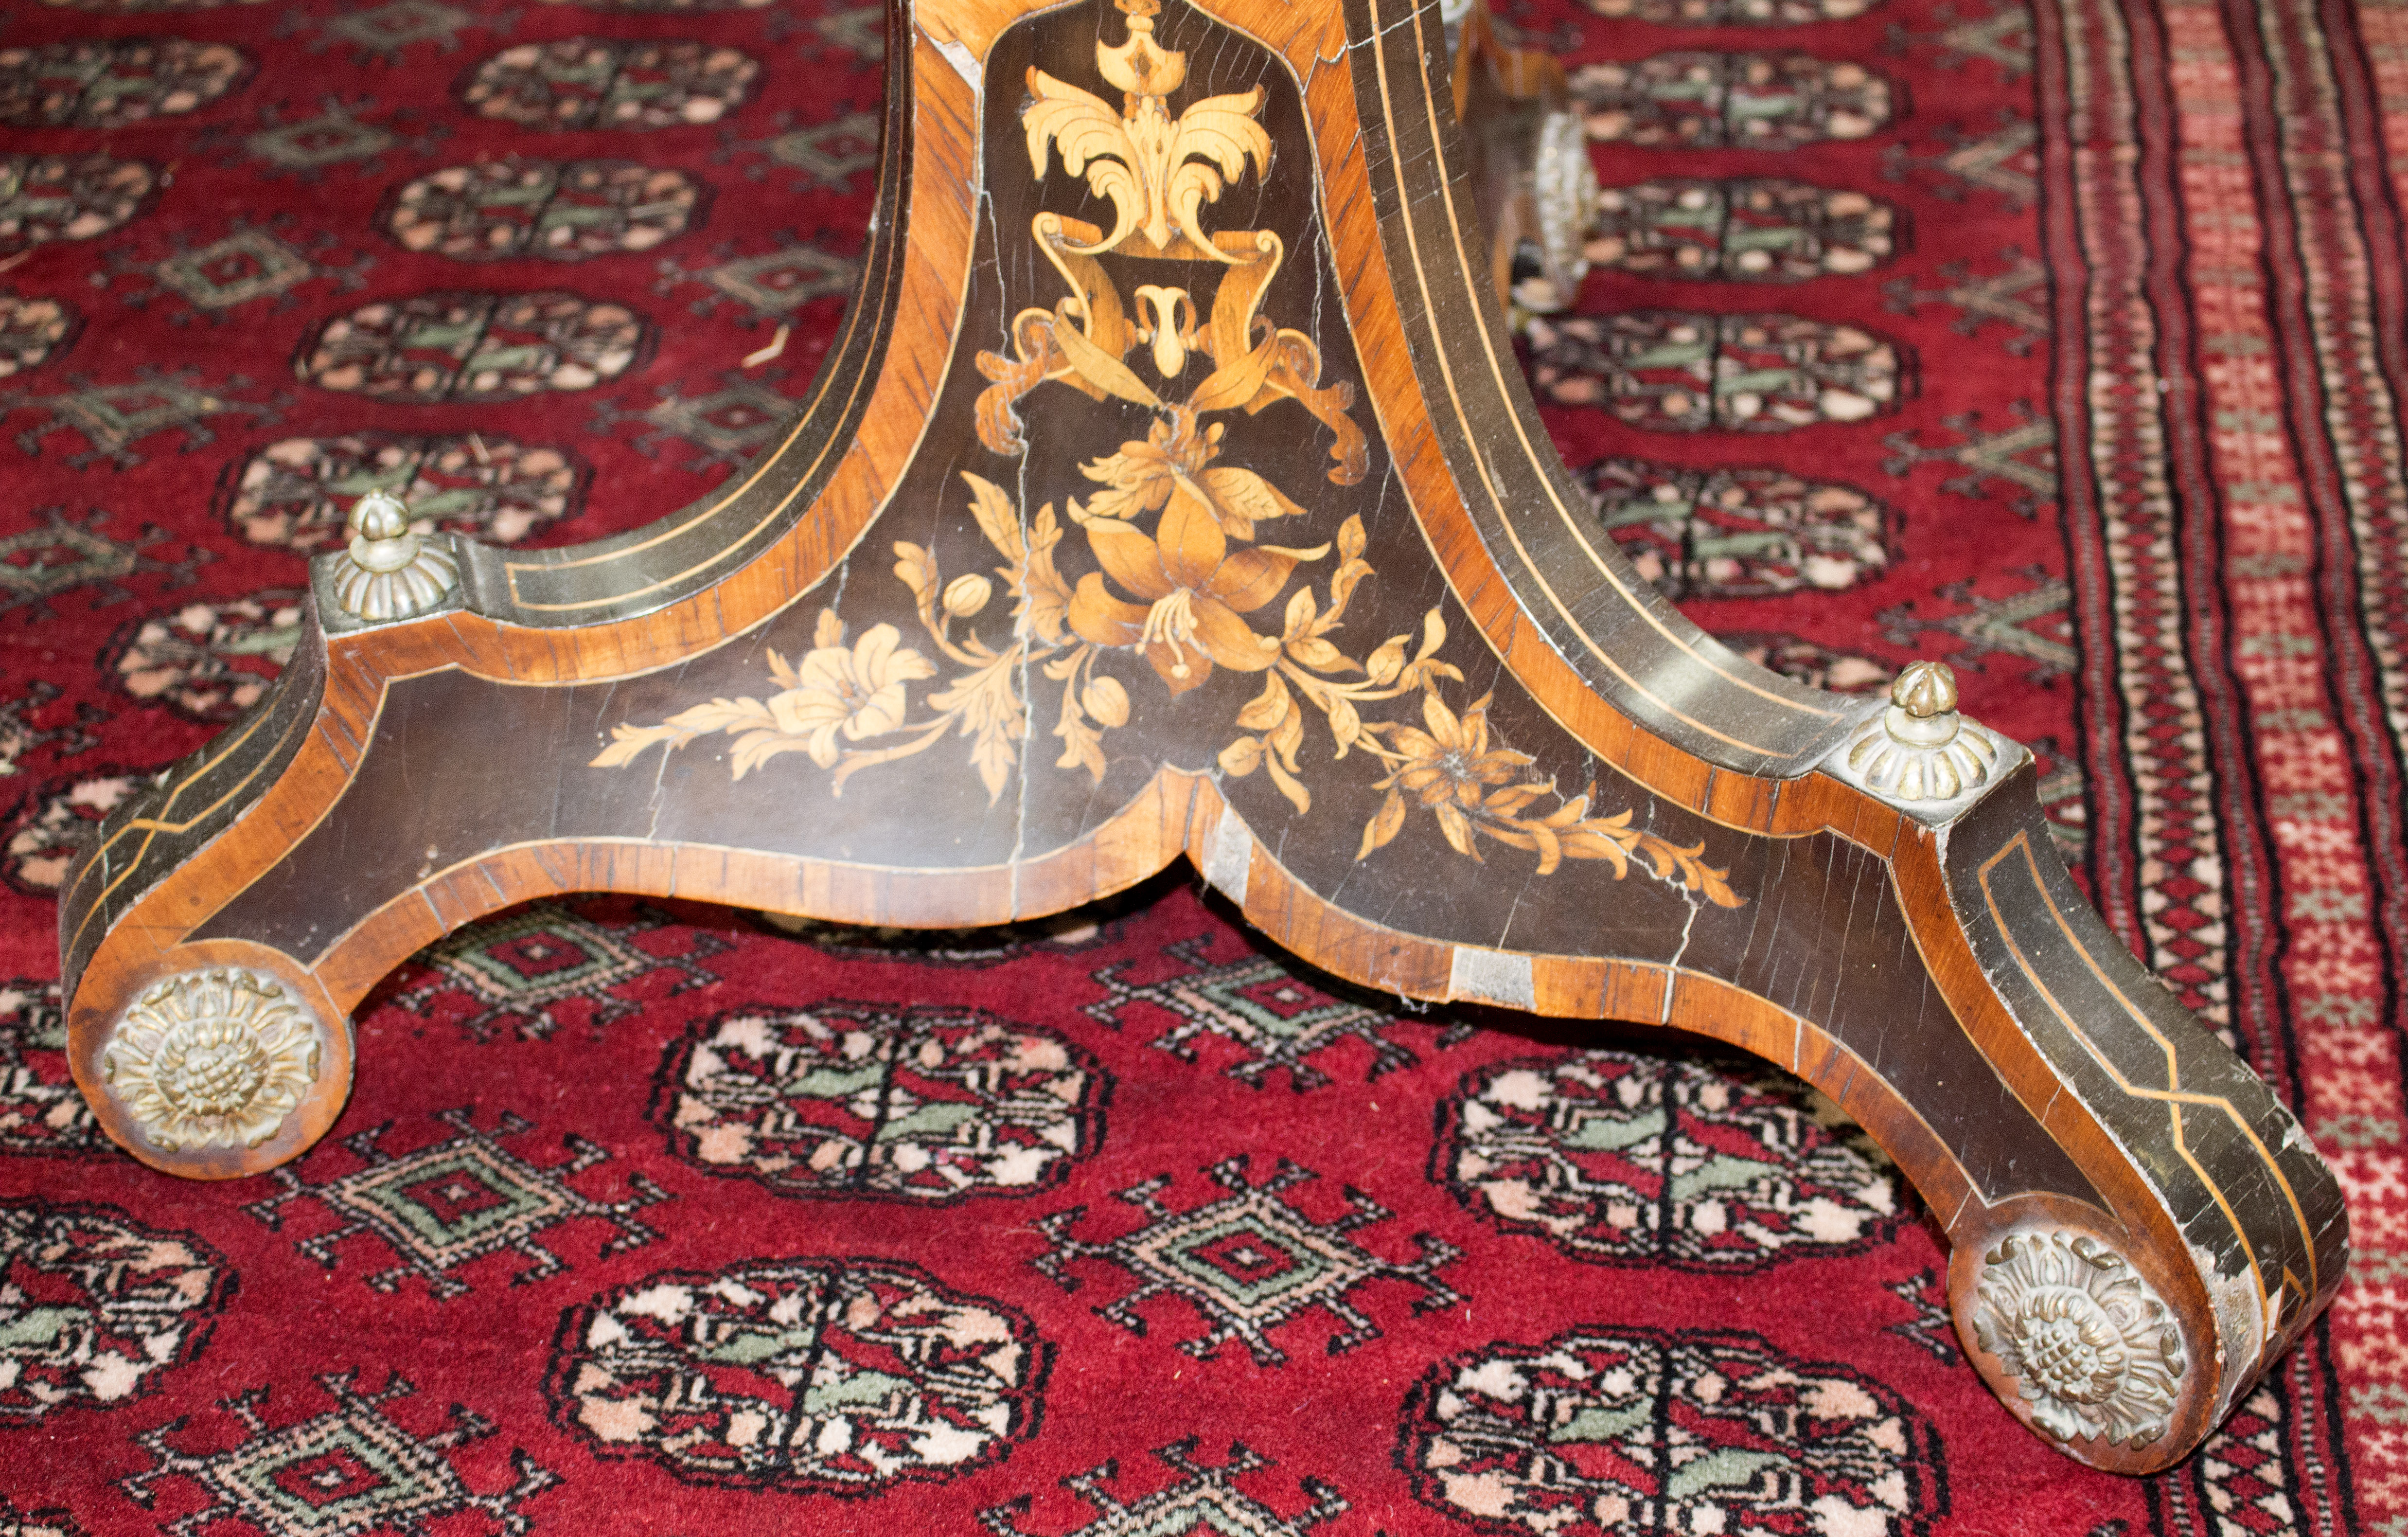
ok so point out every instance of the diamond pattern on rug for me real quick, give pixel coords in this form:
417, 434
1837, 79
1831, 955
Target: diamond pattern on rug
2019, 457
729, 424
383, 32
773, 284
2034, 620
305, 145
1249, 1262
519, 969
111, 419
62, 553
249, 264
2004, 162
444, 1206
1202, 1499
1260, 1006
919, 1104
828, 154
2015, 296
350, 1470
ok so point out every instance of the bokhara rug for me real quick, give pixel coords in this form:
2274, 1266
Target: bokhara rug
2076, 349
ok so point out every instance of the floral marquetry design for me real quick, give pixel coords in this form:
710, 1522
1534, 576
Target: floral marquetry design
1676, 371
607, 82
474, 347
1182, 561
1751, 230
563, 211
113, 84
1741, 532
1730, 101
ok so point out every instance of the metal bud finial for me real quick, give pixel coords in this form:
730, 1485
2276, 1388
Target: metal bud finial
390, 572
379, 517
1924, 689
1921, 748
1923, 706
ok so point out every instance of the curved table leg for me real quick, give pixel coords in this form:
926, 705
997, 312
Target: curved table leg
1185, 502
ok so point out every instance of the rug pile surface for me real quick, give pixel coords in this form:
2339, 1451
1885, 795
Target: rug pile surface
2065, 342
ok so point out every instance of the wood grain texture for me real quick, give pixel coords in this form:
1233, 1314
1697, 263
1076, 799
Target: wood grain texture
1129, 524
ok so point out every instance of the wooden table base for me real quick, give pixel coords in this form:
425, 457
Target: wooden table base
1171, 491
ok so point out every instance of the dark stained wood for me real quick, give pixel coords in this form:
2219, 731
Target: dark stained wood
962, 649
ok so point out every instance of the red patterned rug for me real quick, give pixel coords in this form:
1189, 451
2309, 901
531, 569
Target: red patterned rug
2067, 343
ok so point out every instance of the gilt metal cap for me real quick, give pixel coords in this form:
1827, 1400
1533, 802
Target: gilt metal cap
1919, 753
390, 572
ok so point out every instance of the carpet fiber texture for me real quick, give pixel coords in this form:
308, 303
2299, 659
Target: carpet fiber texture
2064, 342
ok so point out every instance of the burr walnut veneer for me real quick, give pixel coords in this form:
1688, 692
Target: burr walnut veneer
1171, 491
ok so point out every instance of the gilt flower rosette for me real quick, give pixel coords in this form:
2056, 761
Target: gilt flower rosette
212, 1059
2090, 1347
